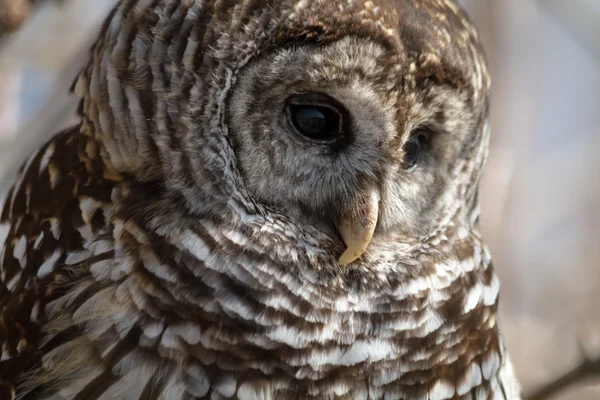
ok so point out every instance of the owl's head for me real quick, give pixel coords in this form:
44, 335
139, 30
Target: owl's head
360, 119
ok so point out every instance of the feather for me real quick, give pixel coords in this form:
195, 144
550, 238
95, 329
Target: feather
182, 241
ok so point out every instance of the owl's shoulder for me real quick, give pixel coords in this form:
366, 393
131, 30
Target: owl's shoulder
59, 199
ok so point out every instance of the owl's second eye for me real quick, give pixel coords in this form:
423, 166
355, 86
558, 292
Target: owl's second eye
414, 147
315, 116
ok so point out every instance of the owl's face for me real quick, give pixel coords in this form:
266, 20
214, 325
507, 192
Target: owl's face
329, 135
356, 122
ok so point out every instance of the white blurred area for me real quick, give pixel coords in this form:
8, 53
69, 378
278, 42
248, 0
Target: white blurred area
541, 189
38, 64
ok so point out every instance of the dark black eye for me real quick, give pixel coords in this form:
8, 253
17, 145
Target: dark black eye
414, 148
315, 122
315, 116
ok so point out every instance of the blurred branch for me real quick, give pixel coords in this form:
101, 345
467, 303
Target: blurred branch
588, 368
13, 13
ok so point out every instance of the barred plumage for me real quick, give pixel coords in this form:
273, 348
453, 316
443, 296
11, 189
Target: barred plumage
183, 243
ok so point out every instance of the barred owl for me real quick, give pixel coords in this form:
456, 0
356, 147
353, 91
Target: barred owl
264, 199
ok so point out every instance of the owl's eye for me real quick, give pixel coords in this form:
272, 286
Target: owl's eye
315, 122
315, 116
414, 148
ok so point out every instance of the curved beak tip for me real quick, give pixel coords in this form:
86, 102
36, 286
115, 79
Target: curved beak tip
357, 227
349, 256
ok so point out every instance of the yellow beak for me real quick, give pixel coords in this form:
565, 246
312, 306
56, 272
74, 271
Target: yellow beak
357, 226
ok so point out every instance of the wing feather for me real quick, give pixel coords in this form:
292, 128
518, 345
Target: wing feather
59, 198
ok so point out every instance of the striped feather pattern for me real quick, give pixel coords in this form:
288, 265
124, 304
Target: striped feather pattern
137, 264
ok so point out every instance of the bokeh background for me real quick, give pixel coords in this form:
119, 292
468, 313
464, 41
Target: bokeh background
541, 189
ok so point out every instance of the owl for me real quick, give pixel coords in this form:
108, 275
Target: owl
264, 199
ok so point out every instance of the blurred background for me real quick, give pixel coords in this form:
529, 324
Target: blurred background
541, 188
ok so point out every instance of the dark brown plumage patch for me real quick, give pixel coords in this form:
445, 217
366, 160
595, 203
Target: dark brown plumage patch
44, 211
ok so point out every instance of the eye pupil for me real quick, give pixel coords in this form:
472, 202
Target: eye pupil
311, 121
315, 122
